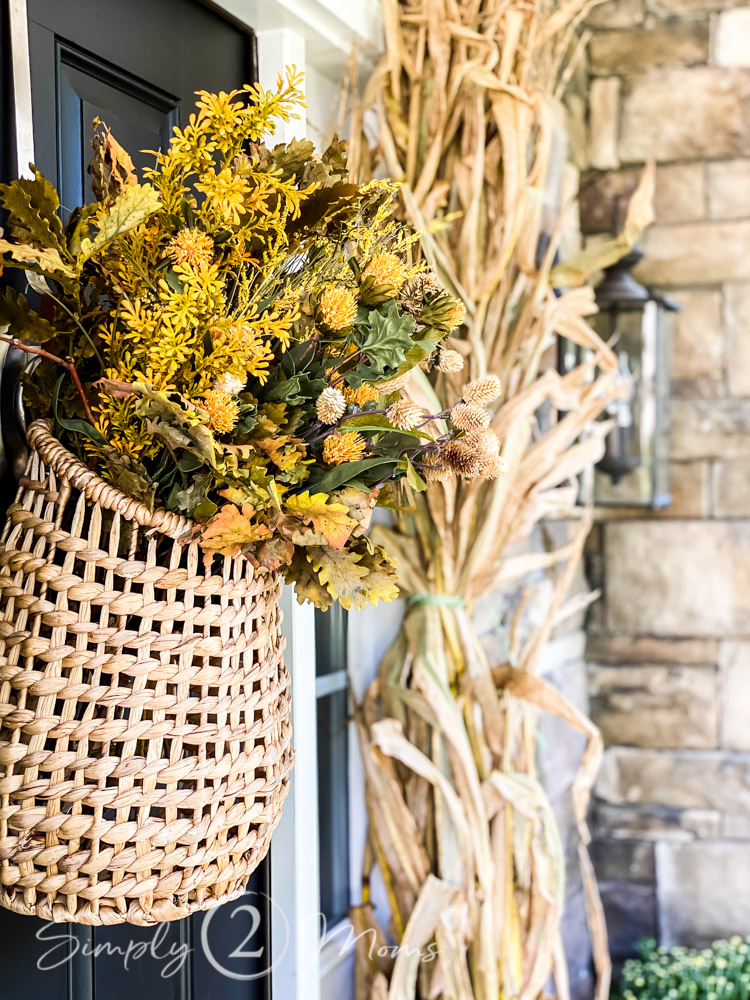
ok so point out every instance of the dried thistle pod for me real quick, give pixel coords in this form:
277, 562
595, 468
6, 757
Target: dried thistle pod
485, 441
405, 414
462, 458
395, 384
469, 417
414, 290
449, 361
482, 390
494, 467
435, 468
232, 385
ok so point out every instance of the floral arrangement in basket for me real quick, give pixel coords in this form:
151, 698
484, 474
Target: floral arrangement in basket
229, 339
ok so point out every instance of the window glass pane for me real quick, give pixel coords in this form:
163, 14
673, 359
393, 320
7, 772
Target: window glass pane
330, 640
333, 804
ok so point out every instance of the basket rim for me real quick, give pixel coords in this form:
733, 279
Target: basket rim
68, 466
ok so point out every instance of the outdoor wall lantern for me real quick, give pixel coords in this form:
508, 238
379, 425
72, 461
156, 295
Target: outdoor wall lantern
637, 324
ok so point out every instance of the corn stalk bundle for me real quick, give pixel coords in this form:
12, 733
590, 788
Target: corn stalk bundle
461, 830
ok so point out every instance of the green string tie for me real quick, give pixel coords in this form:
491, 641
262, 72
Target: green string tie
447, 600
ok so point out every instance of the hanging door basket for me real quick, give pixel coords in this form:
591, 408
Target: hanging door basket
144, 706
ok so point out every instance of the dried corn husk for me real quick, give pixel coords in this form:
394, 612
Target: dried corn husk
460, 826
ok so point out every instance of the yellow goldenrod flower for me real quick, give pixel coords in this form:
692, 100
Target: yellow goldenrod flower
338, 307
223, 411
191, 248
340, 448
226, 192
386, 269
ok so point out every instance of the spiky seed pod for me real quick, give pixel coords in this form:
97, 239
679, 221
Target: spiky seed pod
232, 385
330, 405
493, 467
362, 394
340, 448
414, 290
449, 361
462, 458
395, 384
337, 307
482, 390
191, 248
485, 442
435, 468
386, 269
223, 411
405, 414
468, 417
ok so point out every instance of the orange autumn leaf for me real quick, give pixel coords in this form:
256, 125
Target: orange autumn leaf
231, 529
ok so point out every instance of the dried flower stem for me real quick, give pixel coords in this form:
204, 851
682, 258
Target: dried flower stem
67, 363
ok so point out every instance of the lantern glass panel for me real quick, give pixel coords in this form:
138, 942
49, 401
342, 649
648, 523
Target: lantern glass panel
627, 474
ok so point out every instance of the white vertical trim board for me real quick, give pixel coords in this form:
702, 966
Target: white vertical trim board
278, 48
294, 851
18, 23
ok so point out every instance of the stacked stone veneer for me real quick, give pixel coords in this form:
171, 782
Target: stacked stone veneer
669, 644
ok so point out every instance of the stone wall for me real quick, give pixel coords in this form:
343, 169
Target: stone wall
669, 644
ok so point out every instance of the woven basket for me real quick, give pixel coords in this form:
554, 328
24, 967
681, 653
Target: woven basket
144, 706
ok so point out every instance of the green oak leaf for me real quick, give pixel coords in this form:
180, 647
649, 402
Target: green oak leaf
22, 322
32, 207
384, 338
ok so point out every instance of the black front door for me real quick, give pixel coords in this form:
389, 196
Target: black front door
136, 65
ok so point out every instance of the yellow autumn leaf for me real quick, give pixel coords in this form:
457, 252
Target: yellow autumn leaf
360, 504
342, 574
330, 522
45, 260
307, 585
231, 529
356, 578
135, 204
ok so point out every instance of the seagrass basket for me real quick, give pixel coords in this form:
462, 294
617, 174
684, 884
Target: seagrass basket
144, 706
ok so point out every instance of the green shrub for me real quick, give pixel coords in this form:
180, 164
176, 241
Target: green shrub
721, 972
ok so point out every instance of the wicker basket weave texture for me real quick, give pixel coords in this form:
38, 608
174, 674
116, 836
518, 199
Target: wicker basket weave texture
145, 741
